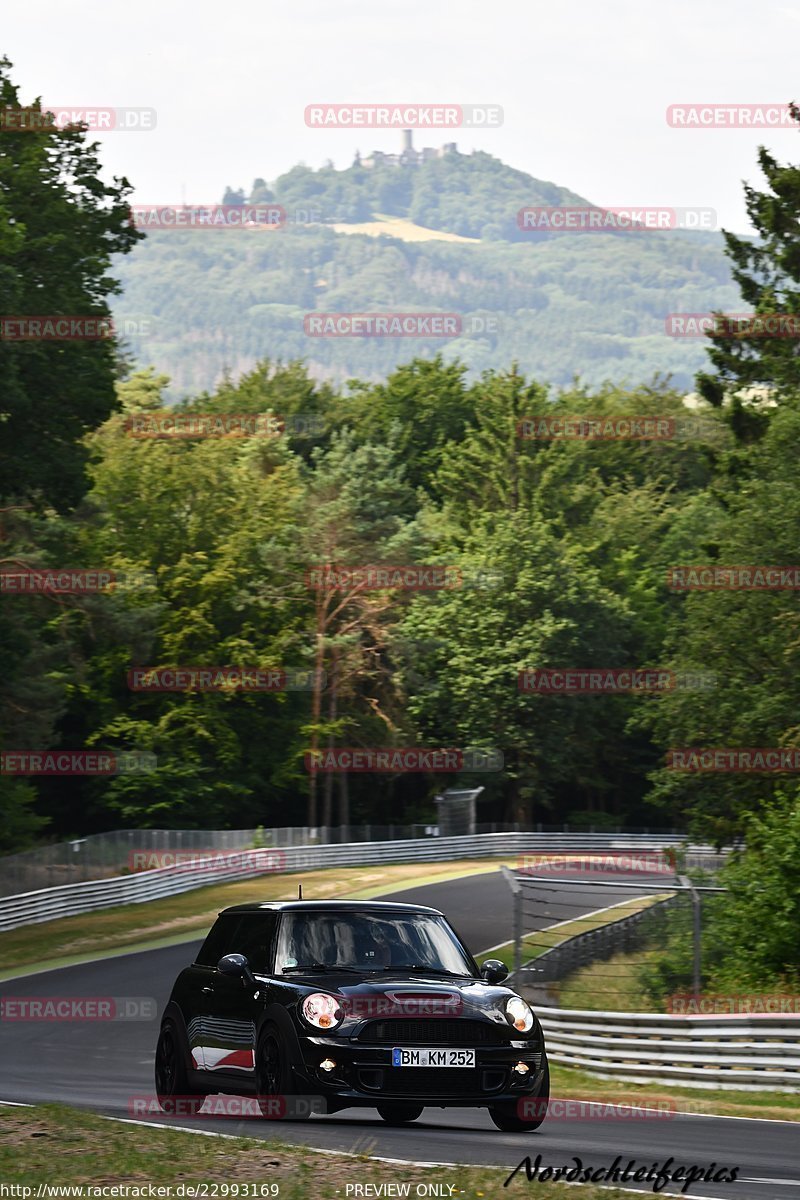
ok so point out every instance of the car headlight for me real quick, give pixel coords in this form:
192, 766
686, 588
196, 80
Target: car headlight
519, 1014
322, 1011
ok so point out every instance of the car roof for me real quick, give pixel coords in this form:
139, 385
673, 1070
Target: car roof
320, 906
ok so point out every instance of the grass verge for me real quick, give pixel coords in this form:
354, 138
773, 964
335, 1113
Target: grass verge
613, 984
766, 1105
539, 940
56, 1145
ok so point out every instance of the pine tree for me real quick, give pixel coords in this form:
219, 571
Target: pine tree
767, 272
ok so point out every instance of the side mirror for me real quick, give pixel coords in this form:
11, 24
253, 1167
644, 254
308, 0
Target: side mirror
494, 971
237, 966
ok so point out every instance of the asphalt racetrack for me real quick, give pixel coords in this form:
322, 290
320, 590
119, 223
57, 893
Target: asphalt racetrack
101, 1065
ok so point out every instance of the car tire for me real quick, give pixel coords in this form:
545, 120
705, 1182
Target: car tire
399, 1114
172, 1089
506, 1118
273, 1076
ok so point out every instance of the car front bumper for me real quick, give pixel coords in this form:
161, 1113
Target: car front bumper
363, 1075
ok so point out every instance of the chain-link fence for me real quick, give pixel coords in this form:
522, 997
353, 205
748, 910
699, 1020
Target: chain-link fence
610, 931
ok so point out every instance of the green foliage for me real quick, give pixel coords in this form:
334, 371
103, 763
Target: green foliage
756, 932
750, 936
767, 272
747, 639
457, 193
19, 823
593, 305
60, 225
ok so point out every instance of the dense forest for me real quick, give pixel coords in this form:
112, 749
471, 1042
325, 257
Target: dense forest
561, 548
560, 305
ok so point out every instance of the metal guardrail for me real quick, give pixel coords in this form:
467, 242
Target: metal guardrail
747, 1053
47, 904
103, 855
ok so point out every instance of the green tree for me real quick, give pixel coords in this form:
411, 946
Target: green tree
61, 225
747, 639
750, 937
767, 271
353, 517
208, 519
528, 602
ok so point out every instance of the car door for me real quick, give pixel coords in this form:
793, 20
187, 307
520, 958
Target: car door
230, 1028
198, 988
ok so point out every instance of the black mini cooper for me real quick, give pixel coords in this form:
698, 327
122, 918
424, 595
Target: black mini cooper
356, 1004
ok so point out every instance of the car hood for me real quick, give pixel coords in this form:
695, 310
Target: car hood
402, 994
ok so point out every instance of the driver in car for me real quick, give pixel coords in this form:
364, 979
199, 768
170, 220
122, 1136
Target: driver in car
372, 950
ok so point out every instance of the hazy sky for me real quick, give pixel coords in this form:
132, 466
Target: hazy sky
584, 86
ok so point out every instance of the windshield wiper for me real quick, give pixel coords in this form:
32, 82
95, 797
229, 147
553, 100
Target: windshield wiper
318, 966
418, 967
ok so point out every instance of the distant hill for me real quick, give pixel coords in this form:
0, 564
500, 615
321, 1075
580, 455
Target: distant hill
564, 304
474, 195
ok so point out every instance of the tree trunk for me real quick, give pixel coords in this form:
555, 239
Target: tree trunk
344, 802
316, 710
327, 803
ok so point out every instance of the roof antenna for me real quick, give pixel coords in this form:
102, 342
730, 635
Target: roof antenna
299, 891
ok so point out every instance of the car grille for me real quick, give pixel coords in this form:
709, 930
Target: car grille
432, 1081
441, 1031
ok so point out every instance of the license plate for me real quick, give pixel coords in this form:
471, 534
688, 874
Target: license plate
402, 1057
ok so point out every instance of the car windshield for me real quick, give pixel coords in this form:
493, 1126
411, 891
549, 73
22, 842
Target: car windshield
369, 941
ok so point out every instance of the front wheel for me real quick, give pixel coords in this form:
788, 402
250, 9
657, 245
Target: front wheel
273, 1079
172, 1089
399, 1114
526, 1114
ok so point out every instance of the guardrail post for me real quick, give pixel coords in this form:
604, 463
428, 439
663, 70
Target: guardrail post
516, 917
697, 926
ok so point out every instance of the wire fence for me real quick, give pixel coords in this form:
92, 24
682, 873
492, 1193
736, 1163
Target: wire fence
588, 935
